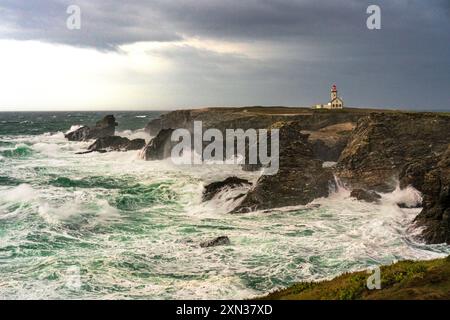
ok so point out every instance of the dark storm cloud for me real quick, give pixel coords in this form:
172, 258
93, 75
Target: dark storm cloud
108, 23
311, 44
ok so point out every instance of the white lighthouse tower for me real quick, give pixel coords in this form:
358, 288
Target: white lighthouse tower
335, 102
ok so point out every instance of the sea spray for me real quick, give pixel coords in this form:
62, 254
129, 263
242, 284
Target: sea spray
66, 210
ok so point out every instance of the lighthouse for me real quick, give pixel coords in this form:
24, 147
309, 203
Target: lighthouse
333, 92
335, 102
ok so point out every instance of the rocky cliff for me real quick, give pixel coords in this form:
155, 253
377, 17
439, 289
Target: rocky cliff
383, 143
300, 179
374, 150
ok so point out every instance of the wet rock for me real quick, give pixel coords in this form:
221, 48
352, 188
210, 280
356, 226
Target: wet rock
160, 147
382, 144
211, 190
364, 195
103, 128
329, 142
116, 143
219, 241
435, 215
301, 177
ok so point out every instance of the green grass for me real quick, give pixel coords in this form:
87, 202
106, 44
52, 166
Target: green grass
406, 280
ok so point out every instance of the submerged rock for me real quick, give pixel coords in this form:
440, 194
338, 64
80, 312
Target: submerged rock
364, 195
159, 147
116, 143
103, 128
219, 241
211, 190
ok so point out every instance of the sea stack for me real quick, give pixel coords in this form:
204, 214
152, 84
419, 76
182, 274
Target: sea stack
103, 128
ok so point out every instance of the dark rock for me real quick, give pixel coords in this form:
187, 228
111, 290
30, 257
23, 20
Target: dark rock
159, 147
383, 144
103, 128
413, 173
219, 241
116, 143
329, 142
367, 196
214, 188
300, 179
435, 216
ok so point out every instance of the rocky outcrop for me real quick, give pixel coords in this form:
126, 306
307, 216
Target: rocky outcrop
219, 241
364, 195
253, 118
329, 142
212, 189
103, 128
159, 147
116, 143
383, 144
435, 187
301, 177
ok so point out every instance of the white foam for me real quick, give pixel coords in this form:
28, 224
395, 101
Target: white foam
21, 193
409, 196
74, 128
136, 134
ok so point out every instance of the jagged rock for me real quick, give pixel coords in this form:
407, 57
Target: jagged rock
116, 143
219, 241
413, 173
214, 188
363, 195
159, 147
435, 216
329, 142
300, 179
382, 144
103, 128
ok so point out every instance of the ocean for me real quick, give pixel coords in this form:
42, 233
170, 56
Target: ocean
113, 226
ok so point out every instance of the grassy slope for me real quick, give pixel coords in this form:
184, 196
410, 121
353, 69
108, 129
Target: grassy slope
403, 280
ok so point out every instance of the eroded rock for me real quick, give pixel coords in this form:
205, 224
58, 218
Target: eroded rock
116, 143
103, 128
159, 147
212, 189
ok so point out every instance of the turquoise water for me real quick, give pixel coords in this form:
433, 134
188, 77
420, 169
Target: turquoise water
114, 226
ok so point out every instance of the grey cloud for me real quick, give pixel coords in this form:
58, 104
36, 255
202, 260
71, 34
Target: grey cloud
406, 63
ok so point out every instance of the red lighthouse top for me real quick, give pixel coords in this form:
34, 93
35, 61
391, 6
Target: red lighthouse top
334, 88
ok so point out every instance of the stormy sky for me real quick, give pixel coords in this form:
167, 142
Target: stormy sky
166, 54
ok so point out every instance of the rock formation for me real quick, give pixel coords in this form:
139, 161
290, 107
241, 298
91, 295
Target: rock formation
300, 179
116, 143
212, 189
103, 128
382, 144
384, 147
434, 183
159, 147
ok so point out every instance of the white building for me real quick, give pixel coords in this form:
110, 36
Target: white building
335, 103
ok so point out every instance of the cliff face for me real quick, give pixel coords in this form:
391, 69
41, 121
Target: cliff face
252, 117
300, 179
435, 216
382, 144
374, 148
